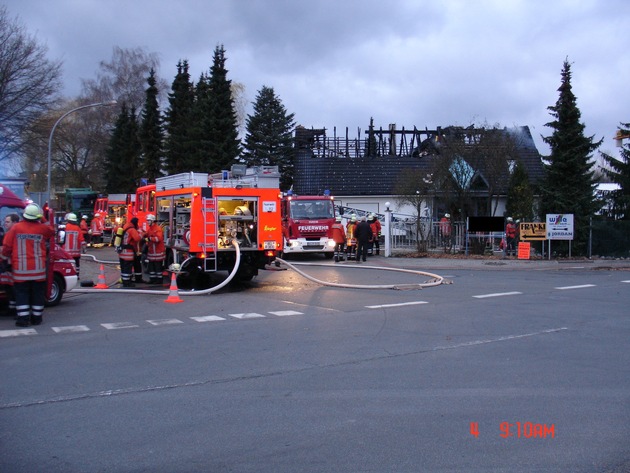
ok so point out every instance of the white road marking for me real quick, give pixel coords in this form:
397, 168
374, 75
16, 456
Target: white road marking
119, 325
17, 332
71, 328
247, 315
284, 313
207, 318
400, 304
498, 294
562, 288
165, 322
626, 281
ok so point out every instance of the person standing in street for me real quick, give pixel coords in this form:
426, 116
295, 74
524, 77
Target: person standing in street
6, 275
154, 237
339, 237
26, 246
363, 234
85, 229
129, 251
510, 237
73, 241
96, 229
376, 234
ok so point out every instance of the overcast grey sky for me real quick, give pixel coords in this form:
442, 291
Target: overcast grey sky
339, 62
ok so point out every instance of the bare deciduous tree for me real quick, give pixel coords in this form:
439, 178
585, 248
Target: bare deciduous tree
29, 84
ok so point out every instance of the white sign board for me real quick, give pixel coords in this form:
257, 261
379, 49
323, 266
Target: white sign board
269, 206
559, 226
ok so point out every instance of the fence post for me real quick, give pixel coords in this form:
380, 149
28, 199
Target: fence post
388, 230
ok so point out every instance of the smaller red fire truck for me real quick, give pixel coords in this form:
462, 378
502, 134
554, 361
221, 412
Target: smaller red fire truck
112, 210
306, 223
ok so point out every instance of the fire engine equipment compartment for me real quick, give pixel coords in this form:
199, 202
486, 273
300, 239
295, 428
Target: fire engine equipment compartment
203, 213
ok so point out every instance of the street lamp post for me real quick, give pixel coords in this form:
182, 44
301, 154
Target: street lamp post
52, 132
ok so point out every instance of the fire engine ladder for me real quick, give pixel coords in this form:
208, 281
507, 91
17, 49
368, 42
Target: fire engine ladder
208, 211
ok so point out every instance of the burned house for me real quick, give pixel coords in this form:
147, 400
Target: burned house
366, 172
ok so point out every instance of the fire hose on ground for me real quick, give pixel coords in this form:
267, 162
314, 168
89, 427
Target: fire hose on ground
435, 279
181, 293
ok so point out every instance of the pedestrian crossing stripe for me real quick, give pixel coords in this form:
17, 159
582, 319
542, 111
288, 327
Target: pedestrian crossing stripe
18, 332
119, 325
165, 322
207, 318
71, 328
247, 315
284, 313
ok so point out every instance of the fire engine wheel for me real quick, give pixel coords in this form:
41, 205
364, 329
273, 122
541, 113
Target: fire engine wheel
56, 291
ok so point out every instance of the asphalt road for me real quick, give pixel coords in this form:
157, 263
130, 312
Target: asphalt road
526, 369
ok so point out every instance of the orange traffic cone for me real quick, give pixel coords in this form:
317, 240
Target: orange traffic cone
173, 295
101, 279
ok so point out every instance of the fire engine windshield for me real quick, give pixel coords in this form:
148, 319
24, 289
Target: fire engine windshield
312, 209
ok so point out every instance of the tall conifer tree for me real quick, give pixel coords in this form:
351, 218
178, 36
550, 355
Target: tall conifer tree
269, 136
568, 186
151, 134
179, 121
224, 124
123, 154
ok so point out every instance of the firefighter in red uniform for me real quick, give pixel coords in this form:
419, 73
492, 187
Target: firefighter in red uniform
351, 248
339, 236
25, 245
129, 251
96, 229
85, 229
154, 237
510, 237
73, 241
375, 225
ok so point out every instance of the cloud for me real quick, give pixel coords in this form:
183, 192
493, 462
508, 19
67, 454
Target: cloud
409, 62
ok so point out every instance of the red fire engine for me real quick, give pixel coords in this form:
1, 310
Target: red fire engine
112, 210
202, 213
306, 222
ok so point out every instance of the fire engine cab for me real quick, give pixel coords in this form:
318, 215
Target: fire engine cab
203, 213
306, 223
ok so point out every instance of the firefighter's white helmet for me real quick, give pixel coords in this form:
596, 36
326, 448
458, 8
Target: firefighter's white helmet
70, 217
97, 214
84, 217
150, 218
509, 219
353, 218
33, 212
447, 215
338, 219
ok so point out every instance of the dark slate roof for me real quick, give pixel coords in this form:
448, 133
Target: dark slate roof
379, 175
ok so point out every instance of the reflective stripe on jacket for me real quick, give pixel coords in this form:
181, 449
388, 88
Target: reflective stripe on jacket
74, 240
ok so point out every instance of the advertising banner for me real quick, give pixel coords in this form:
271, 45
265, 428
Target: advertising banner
559, 226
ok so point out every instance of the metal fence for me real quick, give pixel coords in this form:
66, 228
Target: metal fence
608, 238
